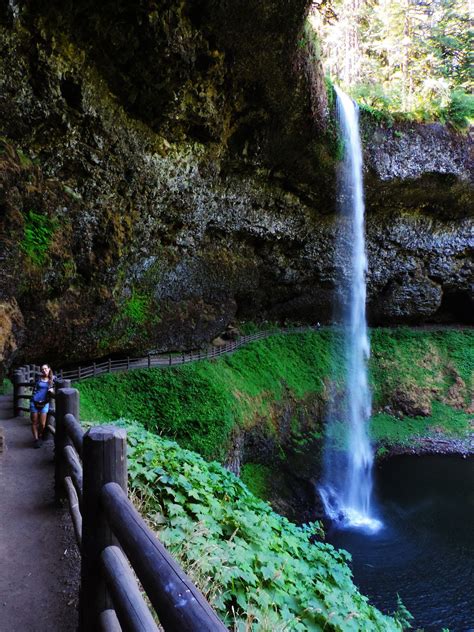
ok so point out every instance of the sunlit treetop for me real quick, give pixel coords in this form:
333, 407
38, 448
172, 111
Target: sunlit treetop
400, 55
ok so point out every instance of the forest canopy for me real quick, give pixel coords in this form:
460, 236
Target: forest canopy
411, 56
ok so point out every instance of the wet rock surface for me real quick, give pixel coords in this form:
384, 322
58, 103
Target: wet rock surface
434, 445
159, 180
407, 152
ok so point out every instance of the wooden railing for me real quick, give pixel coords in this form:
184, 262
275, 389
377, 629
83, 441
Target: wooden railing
166, 360
91, 472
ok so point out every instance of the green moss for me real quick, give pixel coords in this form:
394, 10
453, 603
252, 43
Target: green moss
38, 233
405, 358
257, 478
136, 315
389, 430
199, 404
137, 308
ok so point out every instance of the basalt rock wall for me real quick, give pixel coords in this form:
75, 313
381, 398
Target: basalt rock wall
168, 167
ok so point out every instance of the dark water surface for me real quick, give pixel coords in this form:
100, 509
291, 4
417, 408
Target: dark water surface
425, 552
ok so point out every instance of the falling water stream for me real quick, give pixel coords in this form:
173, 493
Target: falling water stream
347, 481
424, 552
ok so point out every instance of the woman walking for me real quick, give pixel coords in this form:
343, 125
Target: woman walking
39, 404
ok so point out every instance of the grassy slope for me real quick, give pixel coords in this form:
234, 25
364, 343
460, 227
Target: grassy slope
199, 404
425, 364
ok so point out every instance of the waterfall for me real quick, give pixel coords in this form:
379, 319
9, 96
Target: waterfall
347, 479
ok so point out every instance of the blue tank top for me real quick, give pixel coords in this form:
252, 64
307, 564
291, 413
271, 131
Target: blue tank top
40, 393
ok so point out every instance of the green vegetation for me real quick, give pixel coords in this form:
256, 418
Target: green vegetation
137, 308
266, 574
257, 477
136, 313
199, 404
425, 362
5, 387
402, 58
431, 371
457, 108
38, 233
390, 430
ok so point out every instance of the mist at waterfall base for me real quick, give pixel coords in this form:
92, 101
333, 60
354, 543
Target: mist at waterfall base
346, 488
425, 552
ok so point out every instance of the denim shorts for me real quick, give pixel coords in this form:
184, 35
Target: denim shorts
33, 408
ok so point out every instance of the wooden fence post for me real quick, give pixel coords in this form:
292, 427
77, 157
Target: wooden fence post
149, 360
62, 383
17, 378
104, 460
67, 402
110, 365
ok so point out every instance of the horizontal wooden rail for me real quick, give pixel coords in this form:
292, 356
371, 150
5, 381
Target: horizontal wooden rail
132, 611
108, 621
180, 606
74, 509
74, 431
163, 360
74, 469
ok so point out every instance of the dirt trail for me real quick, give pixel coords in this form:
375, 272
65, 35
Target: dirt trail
39, 562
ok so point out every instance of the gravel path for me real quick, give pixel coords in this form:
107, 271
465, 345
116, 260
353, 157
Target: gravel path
39, 561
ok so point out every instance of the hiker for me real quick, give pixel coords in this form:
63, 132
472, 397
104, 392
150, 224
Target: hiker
39, 404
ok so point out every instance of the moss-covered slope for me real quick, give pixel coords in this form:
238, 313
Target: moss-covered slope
274, 392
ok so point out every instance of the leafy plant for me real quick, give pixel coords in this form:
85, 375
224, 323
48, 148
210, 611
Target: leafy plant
5, 387
460, 111
38, 232
137, 307
402, 614
259, 570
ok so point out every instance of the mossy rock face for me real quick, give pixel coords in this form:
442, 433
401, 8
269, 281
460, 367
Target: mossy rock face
185, 154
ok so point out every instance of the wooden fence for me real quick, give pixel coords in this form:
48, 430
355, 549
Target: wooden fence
115, 543
166, 360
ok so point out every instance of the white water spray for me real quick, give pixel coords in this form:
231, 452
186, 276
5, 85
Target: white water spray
347, 489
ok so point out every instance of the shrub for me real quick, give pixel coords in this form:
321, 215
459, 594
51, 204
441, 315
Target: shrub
260, 571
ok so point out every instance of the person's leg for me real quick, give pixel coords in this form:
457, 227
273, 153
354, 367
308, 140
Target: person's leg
42, 424
34, 425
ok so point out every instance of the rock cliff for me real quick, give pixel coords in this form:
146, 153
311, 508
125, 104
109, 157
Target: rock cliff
167, 167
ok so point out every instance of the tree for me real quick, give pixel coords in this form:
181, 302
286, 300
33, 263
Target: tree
407, 55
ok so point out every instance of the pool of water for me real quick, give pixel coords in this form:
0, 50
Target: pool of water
425, 551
